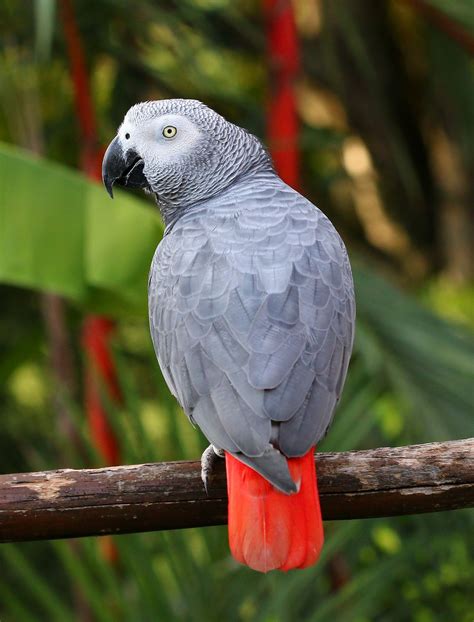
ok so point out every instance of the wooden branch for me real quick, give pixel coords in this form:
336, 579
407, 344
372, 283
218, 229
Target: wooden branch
148, 497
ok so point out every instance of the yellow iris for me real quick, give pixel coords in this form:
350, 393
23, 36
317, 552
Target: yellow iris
169, 131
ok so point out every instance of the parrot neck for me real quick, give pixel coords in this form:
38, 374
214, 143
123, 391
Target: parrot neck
173, 206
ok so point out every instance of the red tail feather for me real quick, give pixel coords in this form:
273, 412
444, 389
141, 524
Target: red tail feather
271, 530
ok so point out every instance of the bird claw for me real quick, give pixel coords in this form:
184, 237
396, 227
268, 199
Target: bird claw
208, 460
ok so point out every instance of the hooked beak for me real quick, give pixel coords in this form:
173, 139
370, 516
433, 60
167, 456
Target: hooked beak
122, 169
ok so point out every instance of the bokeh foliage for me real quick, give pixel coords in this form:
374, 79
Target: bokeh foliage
386, 99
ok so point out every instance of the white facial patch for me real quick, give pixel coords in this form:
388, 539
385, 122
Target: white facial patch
153, 140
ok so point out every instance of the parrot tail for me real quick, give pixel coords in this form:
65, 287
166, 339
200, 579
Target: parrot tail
269, 529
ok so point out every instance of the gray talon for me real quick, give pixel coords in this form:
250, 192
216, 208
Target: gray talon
208, 460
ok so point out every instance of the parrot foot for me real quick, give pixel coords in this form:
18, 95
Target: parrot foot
208, 460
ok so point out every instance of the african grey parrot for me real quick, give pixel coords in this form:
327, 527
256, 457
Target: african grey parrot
251, 308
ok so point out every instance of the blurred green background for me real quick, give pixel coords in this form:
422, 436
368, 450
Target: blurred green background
385, 96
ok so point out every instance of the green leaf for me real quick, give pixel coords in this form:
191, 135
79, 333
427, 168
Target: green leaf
34, 584
60, 232
460, 10
44, 27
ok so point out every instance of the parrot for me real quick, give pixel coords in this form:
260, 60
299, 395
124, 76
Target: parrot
251, 312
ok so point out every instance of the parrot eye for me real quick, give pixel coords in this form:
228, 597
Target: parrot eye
169, 131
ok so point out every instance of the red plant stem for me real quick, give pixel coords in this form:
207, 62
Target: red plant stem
284, 63
96, 330
82, 96
96, 333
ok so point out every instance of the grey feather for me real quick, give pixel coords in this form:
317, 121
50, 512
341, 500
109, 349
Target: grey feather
223, 348
250, 434
267, 371
273, 466
309, 425
206, 376
205, 415
282, 402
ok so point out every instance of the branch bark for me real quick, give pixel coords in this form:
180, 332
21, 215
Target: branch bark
149, 497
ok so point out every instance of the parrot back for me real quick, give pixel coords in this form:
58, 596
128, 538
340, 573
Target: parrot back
252, 313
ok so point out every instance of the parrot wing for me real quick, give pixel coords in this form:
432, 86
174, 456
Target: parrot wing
252, 317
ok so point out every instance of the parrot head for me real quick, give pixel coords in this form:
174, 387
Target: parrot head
181, 151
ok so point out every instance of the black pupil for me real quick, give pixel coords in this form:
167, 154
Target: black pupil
169, 131
127, 135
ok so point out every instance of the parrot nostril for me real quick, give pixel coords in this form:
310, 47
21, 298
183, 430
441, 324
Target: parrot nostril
127, 135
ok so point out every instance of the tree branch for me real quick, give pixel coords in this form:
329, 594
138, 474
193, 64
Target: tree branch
148, 497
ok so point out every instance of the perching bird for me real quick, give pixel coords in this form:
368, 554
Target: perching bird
251, 307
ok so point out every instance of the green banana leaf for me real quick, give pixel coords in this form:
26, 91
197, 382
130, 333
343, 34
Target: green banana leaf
60, 232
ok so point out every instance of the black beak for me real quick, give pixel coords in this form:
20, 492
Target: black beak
122, 169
